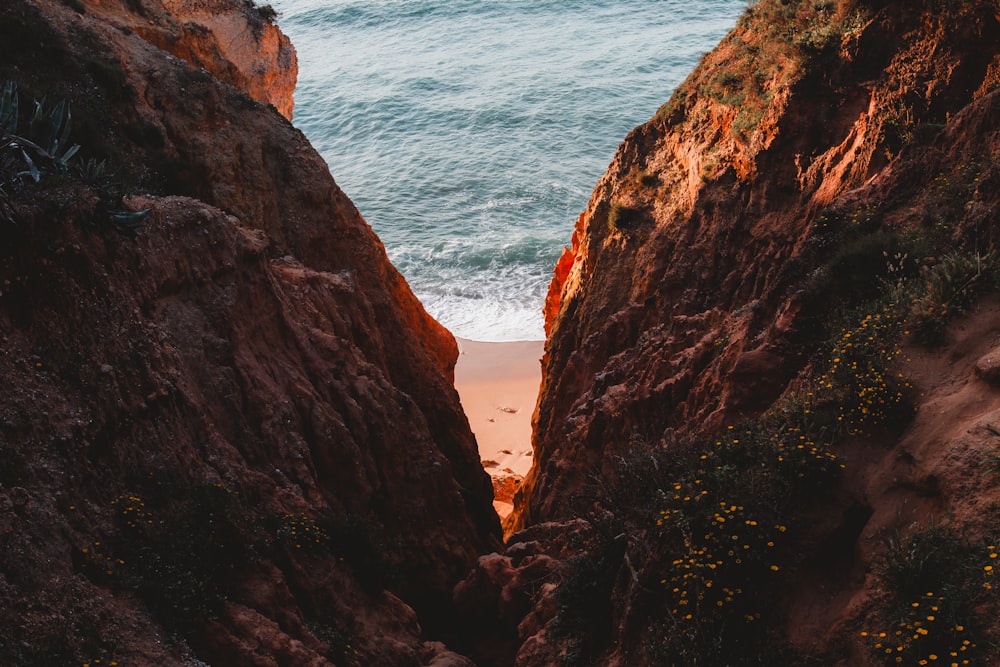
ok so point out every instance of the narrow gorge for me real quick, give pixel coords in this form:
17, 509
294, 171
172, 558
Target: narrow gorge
768, 431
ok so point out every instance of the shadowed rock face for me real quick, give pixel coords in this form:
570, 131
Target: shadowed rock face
231, 435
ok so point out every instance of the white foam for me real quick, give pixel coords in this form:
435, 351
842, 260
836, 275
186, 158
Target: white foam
490, 320
471, 171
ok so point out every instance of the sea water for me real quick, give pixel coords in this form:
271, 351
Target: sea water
470, 133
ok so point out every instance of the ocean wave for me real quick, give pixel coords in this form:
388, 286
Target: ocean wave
470, 133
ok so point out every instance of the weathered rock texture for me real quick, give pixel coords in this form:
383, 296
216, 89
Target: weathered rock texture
233, 39
681, 305
231, 435
699, 286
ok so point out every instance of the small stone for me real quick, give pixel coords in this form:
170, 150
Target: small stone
106, 368
988, 367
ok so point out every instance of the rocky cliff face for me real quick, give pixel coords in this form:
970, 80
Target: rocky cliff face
767, 432
229, 432
679, 297
823, 160
234, 40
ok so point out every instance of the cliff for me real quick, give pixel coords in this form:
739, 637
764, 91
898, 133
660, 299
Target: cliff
769, 421
229, 432
677, 316
727, 346
235, 40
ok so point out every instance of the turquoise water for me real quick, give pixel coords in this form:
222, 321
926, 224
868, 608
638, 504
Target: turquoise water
470, 133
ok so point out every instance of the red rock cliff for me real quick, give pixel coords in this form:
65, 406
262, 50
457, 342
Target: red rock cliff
230, 435
235, 40
677, 302
702, 290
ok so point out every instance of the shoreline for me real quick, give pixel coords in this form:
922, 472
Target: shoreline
498, 385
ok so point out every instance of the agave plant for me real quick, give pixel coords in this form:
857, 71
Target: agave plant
47, 136
43, 147
8, 109
8, 124
50, 129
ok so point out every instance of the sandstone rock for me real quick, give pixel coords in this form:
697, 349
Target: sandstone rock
508, 600
437, 655
988, 367
693, 313
234, 40
715, 300
290, 424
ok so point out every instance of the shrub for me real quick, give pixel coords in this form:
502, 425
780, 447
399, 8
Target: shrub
861, 379
340, 643
583, 616
721, 530
258, 16
947, 289
898, 126
949, 193
991, 462
649, 180
181, 553
935, 580
621, 217
747, 120
857, 269
25, 156
300, 532
921, 635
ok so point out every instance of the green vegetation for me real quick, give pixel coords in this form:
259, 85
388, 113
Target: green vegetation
949, 193
776, 42
707, 531
926, 275
723, 533
899, 127
299, 531
861, 380
180, 552
622, 218
583, 618
43, 149
340, 642
184, 547
649, 180
776, 45
26, 154
947, 289
726, 528
934, 581
855, 272
991, 462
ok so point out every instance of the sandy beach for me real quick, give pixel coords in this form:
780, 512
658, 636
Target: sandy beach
498, 385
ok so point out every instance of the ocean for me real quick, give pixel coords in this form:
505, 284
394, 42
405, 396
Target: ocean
470, 133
